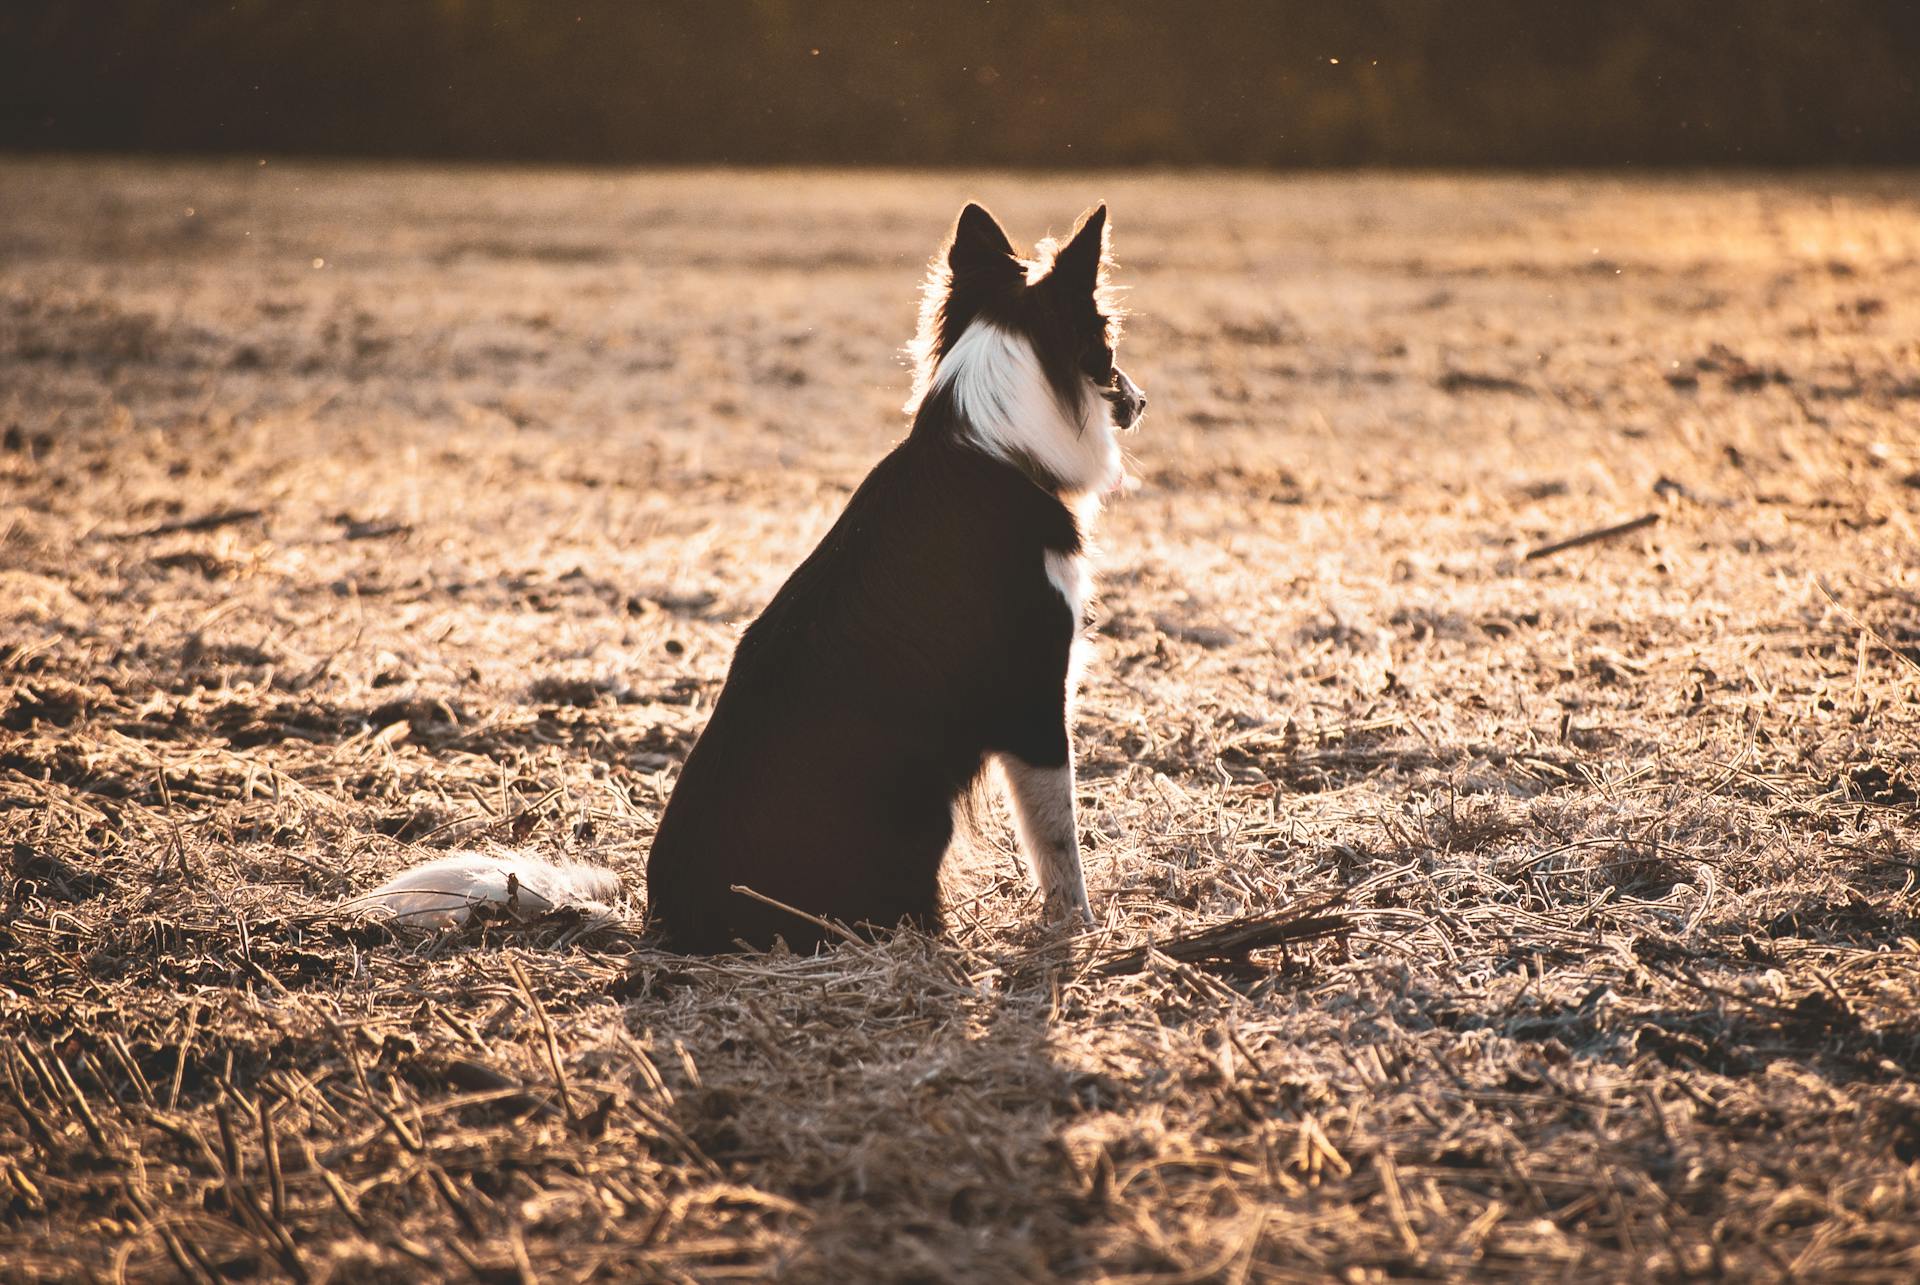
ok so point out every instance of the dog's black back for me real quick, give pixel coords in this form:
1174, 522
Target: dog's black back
920, 636
932, 628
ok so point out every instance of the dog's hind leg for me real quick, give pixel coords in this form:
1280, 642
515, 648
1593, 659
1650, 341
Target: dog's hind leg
1043, 813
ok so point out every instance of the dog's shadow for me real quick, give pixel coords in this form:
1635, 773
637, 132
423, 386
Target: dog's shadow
907, 1095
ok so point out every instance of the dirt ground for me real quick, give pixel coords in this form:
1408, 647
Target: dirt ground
350, 515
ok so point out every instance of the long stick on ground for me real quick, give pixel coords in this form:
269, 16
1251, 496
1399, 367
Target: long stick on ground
206, 522
777, 904
1592, 537
1821, 583
546, 1033
1303, 921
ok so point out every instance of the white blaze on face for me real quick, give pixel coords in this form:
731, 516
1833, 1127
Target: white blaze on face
1013, 413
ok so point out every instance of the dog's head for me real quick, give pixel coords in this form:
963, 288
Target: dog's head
1050, 320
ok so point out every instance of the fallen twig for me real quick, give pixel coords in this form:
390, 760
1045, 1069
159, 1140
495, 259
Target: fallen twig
1592, 537
546, 1035
206, 522
1821, 583
839, 929
1232, 941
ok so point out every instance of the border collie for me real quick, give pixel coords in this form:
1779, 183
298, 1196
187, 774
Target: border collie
931, 633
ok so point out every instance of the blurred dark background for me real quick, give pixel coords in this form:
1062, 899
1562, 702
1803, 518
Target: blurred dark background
961, 82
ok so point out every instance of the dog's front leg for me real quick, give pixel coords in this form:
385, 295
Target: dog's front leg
1043, 813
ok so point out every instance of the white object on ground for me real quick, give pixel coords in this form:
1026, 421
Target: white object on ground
441, 893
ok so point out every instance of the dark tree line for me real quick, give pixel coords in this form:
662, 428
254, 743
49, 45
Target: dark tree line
1024, 82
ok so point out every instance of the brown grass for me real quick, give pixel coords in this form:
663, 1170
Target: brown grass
360, 514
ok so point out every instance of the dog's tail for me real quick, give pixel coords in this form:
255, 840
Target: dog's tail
441, 893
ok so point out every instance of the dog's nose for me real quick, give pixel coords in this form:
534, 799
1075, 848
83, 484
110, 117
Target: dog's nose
1132, 403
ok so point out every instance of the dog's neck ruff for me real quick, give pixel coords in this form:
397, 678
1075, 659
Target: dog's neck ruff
1008, 409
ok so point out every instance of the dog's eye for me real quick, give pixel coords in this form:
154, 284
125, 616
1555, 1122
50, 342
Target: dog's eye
1099, 366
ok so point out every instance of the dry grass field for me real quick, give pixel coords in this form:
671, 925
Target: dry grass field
354, 515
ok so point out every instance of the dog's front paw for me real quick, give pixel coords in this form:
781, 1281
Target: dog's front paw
1069, 912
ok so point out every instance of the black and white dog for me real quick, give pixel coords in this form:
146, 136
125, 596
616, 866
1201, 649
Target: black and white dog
931, 633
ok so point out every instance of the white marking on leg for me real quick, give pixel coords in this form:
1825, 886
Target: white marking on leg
1068, 572
1071, 575
1042, 799
1014, 413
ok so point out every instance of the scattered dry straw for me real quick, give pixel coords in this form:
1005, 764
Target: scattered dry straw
1569, 905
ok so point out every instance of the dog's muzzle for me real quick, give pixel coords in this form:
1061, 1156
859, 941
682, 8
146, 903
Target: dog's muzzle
1129, 403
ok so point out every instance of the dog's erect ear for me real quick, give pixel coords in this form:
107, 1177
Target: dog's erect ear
980, 251
1076, 267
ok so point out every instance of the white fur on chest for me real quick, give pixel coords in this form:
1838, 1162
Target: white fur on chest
1011, 412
